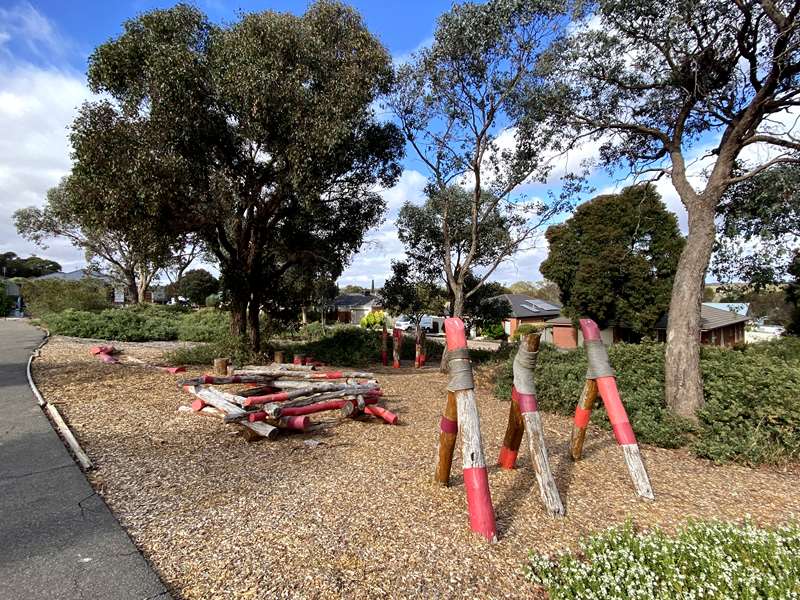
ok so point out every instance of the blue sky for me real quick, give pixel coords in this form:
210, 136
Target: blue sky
43, 51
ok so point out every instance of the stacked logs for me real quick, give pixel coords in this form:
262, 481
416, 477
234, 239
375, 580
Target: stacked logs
282, 396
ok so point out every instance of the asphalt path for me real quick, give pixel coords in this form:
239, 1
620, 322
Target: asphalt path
58, 539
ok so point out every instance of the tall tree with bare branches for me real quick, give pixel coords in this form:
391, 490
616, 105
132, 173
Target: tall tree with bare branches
654, 80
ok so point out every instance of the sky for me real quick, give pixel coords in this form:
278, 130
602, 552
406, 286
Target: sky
44, 48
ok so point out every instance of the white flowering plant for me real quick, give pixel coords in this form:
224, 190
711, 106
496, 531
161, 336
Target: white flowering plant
704, 559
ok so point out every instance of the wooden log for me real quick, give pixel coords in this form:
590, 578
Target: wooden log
397, 346
384, 346
379, 411
583, 412
322, 406
256, 369
278, 357
107, 358
225, 380
299, 359
218, 400
105, 349
422, 356
287, 397
607, 388
221, 366
526, 399
513, 436
476, 479
417, 348
448, 431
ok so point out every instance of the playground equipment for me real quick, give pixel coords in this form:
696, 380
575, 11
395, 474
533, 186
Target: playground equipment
461, 410
397, 347
384, 347
419, 356
524, 416
600, 379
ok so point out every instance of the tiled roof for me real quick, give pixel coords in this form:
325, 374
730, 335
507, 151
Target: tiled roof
523, 306
355, 300
711, 318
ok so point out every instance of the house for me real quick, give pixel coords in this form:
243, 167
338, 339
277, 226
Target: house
526, 309
563, 334
718, 327
351, 308
740, 308
116, 292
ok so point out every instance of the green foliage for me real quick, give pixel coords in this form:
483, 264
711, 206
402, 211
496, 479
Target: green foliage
6, 303
493, 331
213, 300
44, 296
205, 325
142, 323
752, 397
525, 329
12, 265
196, 286
412, 291
614, 260
702, 560
314, 331
201, 354
373, 320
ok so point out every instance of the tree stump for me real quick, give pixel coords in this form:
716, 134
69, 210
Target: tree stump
278, 357
221, 366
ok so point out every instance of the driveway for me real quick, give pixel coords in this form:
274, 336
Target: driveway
58, 539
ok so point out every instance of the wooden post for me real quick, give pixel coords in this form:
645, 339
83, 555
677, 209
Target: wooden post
278, 358
448, 431
582, 414
600, 370
513, 436
384, 346
221, 366
422, 356
476, 479
299, 358
418, 347
397, 345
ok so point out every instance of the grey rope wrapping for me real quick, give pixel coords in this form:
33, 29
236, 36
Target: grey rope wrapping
460, 370
598, 360
523, 366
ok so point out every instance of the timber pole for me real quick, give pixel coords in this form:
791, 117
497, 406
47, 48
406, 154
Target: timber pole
397, 344
600, 370
448, 431
384, 347
476, 479
583, 413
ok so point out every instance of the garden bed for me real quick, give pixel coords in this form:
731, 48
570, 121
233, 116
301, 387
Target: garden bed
357, 515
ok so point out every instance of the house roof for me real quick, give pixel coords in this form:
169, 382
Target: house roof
355, 300
76, 275
711, 318
523, 305
740, 308
559, 321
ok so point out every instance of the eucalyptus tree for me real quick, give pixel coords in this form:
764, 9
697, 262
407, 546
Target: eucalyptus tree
457, 104
660, 84
260, 134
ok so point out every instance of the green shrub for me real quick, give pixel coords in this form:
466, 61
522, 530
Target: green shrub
313, 331
201, 354
525, 329
373, 320
120, 324
213, 300
45, 296
703, 560
494, 331
752, 397
204, 325
6, 302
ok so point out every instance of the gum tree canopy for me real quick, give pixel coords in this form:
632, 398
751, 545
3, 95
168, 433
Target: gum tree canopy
653, 79
259, 136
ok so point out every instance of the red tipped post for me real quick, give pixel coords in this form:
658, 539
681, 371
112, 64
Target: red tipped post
384, 346
476, 480
397, 345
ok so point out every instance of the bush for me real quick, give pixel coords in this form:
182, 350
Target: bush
213, 300
373, 320
313, 331
752, 410
703, 560
205, 325
493, 331
6, 303
525, 329
45, 296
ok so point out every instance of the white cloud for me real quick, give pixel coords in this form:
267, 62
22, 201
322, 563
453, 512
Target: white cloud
37, 105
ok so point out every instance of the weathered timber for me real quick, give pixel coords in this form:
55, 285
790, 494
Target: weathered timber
384, 346
583, 412
221, 366
218, 400
278, 357
380, 412
476, 479
397, 346
448, 432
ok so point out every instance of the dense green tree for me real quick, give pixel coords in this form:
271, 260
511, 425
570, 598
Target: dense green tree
759, 228
195, 285
129, 246
412, 293
614, 260
650, 81
12, 265
259, 136
457, 104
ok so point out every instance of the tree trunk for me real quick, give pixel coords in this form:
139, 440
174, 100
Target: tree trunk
238, 315
141, 291
254, 322
683, 382
304, 315
133, 288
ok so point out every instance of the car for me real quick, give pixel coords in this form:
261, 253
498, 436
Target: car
427, 323
404, 323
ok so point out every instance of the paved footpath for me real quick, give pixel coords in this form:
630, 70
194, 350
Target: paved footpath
58, 539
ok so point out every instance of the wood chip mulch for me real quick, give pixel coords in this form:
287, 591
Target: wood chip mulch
351, 511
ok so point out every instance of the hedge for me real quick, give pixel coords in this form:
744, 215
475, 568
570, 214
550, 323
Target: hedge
752, 397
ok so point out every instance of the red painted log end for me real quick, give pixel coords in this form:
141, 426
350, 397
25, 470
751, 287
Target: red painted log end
479, 502
507, 459
455, 333
198, 405
379, 411
589, 329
